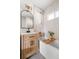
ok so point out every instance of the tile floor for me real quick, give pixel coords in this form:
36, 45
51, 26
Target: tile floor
38, 55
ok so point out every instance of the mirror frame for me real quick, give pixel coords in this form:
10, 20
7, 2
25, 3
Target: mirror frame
26, 16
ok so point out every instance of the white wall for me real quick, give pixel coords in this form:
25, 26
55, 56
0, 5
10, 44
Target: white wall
38, 18
52, 25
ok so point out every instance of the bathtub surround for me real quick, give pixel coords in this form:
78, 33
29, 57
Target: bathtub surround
55, 44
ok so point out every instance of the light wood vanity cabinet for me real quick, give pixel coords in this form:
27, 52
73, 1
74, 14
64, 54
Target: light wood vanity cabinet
28, 45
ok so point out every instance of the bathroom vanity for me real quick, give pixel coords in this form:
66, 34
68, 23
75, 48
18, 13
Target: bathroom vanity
28, 44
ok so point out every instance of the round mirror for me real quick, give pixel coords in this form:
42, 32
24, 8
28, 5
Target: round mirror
27, 20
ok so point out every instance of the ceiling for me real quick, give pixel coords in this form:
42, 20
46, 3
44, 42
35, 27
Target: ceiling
42, 4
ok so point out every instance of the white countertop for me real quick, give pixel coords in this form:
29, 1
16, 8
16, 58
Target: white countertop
28, 33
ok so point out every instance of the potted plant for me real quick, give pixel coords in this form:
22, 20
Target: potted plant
51, 34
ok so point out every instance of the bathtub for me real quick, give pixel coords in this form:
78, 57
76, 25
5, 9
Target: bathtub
50, 51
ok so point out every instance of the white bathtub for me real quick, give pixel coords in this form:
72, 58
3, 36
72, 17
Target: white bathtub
49, 51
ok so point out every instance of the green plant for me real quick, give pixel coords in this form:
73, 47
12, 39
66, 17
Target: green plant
51, 33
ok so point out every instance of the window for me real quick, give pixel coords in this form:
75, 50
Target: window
51, 16
56, 14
